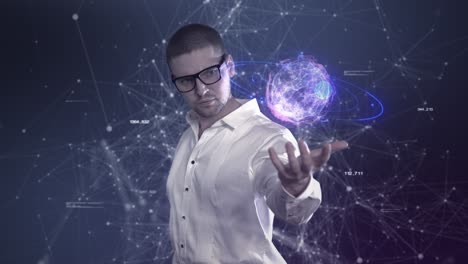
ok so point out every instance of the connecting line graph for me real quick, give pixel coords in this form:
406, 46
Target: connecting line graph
90, 162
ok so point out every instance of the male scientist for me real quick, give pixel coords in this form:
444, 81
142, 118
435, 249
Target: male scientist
233, 169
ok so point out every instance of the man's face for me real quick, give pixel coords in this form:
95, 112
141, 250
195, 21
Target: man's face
206, 100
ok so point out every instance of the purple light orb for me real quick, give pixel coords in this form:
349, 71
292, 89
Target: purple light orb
299, 90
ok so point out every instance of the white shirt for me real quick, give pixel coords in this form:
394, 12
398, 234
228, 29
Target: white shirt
224, 190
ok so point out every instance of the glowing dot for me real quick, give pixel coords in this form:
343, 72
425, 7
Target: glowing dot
359, 260
23, 130
163, 41
349, 188
109, 128
75, 17
420, 256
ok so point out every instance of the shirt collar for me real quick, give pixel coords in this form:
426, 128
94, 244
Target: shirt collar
248, 108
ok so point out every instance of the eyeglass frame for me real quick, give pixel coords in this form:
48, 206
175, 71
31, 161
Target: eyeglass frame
197, 75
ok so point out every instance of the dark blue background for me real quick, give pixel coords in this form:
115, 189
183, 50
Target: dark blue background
37, 77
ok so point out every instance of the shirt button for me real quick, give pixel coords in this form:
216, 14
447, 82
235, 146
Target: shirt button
193, 162
182, 245
186, 189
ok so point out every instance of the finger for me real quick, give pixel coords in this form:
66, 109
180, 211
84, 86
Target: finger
316, 152
325, 156
276, 161
293, 162
339, 145
306, 162
335, 146
303, 148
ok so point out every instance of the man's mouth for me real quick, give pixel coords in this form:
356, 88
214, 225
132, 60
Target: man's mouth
204, 102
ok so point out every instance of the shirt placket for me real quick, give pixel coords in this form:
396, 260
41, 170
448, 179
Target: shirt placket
189, 174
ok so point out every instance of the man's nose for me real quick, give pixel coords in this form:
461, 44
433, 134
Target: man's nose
200, 88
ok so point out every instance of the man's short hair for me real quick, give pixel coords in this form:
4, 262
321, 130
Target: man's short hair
192, 37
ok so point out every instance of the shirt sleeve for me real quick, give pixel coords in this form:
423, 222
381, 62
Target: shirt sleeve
294, 210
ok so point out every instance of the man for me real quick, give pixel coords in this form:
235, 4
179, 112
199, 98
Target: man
227, 182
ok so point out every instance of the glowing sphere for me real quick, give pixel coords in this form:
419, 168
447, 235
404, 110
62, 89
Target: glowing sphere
299, 90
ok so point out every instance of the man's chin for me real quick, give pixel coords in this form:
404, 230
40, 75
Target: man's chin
207, 112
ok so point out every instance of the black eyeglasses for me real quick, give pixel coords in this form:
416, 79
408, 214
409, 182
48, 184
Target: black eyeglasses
210, 75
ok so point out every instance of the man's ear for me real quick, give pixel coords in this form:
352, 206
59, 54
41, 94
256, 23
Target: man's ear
230, 65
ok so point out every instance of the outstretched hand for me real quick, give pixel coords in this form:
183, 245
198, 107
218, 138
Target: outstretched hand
295, 175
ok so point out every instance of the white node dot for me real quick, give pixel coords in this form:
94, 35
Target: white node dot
109, 128
420, 256
359, 260
23, 130
75, 17
349, 188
